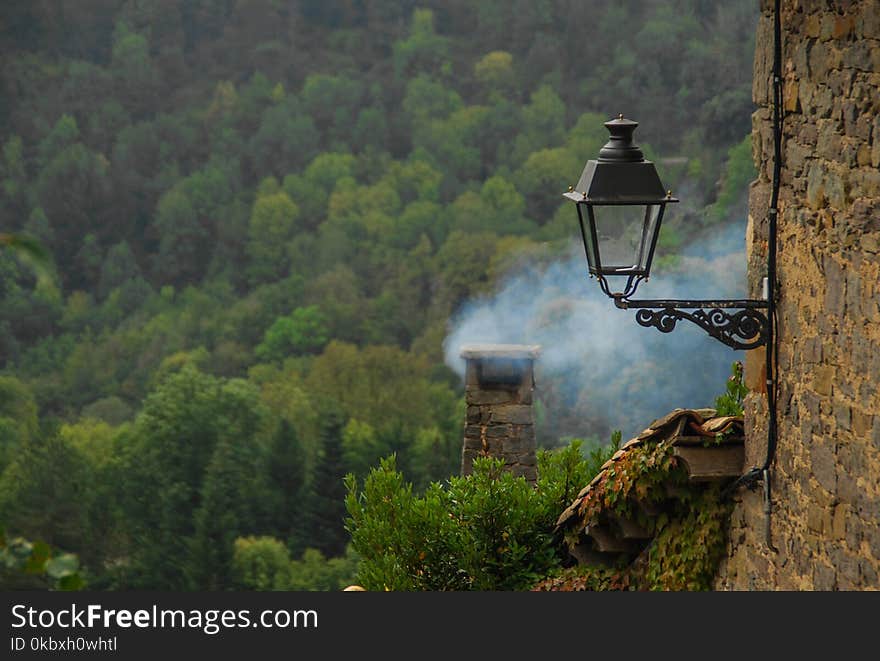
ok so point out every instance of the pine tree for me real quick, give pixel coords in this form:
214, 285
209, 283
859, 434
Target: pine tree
287, 473
232, 505
325, 503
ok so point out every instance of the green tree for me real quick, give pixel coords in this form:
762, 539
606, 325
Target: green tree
543, 124
427, 99
494, 71
64, 134
183, 240
13, 176
288, 463
361, 447
315, 572
232, 504
46, 493
544, 177
325, 502
18, 418
182, 423
333, 102
461, 266
423, 50
739, 171
286, 140
273, 222
135, 74
302, 331
119, 267
73, 190
260, 563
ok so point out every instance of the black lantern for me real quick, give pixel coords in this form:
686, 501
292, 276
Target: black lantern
620, 202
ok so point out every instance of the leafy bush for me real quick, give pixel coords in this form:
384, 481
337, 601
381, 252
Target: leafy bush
730, 402
29, 565
486, 531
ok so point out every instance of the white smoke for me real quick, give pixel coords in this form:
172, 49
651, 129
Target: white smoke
599, 370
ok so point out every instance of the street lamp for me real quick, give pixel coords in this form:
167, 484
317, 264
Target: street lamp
620, 203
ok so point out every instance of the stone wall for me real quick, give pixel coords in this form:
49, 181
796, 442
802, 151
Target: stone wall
826, 475
499, 381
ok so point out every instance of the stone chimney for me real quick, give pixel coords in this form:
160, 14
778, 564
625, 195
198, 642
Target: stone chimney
499, 380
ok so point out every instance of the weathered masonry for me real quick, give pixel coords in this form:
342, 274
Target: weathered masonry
826, 474
499, 382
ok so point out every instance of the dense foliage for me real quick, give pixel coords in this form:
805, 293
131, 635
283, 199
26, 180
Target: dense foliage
487, 531
688, 527
262, 214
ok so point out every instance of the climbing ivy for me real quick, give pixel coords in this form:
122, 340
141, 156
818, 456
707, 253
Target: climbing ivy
688, 526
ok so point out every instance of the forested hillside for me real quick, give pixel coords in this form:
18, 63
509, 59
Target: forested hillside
261, 215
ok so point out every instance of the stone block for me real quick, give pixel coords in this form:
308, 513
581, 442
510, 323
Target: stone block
819, 60
811, 350
872, 538
823, 459
473, 415
816, 519
496, 431
868, 506
862, 423
863, 55
842, 416
797, 155
816, 187
823, 378
790, 100
875, 148
512, 413
477, 396
865, 182
812, 26
843, 26
811, 402
470, 443
824, 578
846, 565
868, 574
835, 287
494, 447
867, 24
847, 487
838, 522
828, 145
754, 370
522, 442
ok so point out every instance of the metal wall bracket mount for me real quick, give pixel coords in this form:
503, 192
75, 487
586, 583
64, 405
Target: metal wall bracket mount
740, 324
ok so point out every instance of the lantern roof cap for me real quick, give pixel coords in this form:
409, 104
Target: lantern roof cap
621, 174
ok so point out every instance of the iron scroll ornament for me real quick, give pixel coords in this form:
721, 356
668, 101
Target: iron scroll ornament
739, 324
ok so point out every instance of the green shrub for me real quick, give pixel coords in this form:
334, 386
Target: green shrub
486, 531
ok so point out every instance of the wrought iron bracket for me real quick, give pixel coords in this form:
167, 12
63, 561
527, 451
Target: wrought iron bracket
740, 324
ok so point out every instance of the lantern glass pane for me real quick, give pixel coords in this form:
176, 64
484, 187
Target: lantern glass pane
625, 236
653, 212
589, 240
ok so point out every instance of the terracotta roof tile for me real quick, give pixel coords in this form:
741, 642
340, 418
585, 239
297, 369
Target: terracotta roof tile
669, 428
